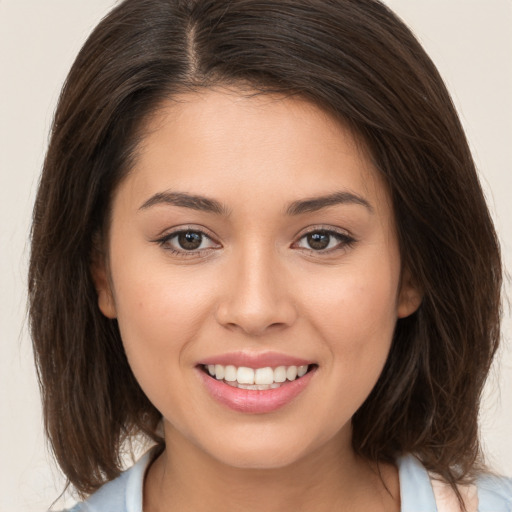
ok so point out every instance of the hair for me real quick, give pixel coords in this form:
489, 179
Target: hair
358, 61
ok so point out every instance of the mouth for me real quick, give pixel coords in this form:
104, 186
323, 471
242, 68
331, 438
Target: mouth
256, 379
255, 390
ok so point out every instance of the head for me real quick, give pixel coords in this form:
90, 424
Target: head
349, 65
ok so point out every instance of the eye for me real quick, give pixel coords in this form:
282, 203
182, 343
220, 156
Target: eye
324, 240
187, 242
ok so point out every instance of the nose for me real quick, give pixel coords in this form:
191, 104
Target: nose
256, 295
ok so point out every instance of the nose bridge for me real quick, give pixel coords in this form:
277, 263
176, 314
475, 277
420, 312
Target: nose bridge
257, 293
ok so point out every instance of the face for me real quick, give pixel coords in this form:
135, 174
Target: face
253, 239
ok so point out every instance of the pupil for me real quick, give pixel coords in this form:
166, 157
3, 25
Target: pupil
189, 240
318, 240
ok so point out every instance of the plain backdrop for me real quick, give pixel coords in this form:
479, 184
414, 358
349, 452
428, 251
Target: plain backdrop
469, 40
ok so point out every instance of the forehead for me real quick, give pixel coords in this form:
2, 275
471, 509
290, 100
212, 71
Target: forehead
216, 141
242, 118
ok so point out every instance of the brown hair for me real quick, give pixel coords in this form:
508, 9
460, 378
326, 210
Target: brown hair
357, 60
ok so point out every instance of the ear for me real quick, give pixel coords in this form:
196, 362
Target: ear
409, 297
102, 283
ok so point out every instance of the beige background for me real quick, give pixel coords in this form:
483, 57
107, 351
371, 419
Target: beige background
470, 41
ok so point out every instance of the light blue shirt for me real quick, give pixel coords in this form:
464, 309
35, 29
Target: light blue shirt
124, 494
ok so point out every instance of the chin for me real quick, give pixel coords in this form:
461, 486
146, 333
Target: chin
259, 458
261, 448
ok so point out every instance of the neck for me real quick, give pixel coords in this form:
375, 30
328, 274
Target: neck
185, 478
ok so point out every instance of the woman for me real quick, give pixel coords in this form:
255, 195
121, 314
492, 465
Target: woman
260, 241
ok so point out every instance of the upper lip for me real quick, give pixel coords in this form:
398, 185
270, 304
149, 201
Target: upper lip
255, 360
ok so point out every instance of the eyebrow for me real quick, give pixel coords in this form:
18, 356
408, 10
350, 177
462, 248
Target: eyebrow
314, 204
208, 205
195, 202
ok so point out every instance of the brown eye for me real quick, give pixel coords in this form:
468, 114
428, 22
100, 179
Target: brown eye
318, 241
190, 240
325, 241
187, 242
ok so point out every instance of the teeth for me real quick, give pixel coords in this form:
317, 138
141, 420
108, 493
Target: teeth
264, 376
245, 375
219, 371
230, 373
280, 374
257, 379
291, 373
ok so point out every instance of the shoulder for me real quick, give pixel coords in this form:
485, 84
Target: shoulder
418, 494
494, 493
124, 494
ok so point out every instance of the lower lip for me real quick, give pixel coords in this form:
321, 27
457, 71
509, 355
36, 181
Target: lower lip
255, 401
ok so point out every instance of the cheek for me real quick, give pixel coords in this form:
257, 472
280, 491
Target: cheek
356, 303
160, 317
354, 313
159, 313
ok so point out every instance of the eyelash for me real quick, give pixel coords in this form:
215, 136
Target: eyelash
345, 241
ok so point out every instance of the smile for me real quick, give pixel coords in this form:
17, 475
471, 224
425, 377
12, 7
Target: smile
259, 379
255, 390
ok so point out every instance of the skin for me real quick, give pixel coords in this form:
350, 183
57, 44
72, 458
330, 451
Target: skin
255, 285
